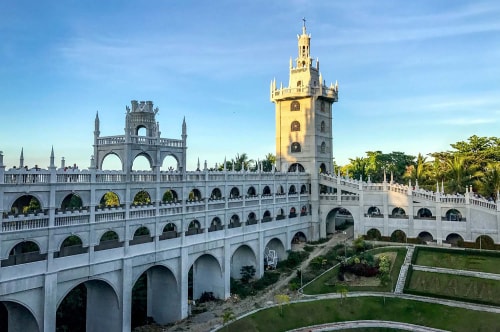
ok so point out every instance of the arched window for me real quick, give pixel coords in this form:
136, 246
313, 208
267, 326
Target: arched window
323, 147
295, 126
296, 147
295, 106
266, 191
299, 84
323, 106
323, 126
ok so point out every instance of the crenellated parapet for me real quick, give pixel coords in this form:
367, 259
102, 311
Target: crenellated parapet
330, 92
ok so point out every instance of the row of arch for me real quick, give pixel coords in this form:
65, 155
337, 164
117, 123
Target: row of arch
30, 203
483, 241
29, 251
155, 293
451, 214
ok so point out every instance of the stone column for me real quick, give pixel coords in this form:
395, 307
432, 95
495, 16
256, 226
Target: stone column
127, 285
49, 302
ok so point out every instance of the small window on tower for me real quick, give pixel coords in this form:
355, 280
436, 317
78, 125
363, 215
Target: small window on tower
323, 147
323, 126
299, 83
295, 106
295, 147
323, 106
295, 126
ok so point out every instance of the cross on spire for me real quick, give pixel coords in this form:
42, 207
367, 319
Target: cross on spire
304, 19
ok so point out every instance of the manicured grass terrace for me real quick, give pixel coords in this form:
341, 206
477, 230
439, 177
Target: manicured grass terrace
458, 259
357, 308
455, 287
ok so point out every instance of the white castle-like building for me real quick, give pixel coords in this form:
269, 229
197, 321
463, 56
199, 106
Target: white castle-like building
209, 222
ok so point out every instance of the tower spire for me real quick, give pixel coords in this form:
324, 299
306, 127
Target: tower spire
21, 159
52, 164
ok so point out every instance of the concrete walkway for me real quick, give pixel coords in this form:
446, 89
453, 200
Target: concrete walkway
403, 272
364, 324
466, 273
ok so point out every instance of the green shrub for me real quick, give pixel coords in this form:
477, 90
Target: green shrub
267, 279
308, 248
293, 260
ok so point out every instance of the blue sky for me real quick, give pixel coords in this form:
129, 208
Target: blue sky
414, 76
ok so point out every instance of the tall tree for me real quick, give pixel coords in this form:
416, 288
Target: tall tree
458, 175
268, 162
490, 182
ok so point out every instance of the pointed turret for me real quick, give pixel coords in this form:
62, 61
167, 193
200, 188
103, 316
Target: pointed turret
52, 162
21, 159
96, 123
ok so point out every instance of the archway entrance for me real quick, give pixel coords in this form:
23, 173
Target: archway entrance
205, 276
485, 242
338, 218
156, 294
274, 250
298, 241
373, 234
425, 237
243, 256
398, 236
16, 317
89, 306
455, 240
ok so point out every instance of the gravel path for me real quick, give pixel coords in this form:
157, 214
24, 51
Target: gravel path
212, 317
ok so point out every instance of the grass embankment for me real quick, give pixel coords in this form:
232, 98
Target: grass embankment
359, 308
329, 282
454, 287
460, 260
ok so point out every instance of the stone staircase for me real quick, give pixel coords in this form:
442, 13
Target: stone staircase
404, 271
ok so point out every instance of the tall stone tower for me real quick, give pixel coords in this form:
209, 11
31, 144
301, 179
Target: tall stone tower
304, 124
304, 114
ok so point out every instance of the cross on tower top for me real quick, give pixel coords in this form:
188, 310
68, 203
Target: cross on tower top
304, 19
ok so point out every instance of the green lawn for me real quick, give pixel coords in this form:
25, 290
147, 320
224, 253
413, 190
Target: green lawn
458, 260
325, 311
455, 287
327, 283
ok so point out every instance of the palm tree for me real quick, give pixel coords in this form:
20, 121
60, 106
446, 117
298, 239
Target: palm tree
268, 162
241, 161
490, 182
460, 174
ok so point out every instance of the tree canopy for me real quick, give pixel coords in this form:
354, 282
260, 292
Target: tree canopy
474, 162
